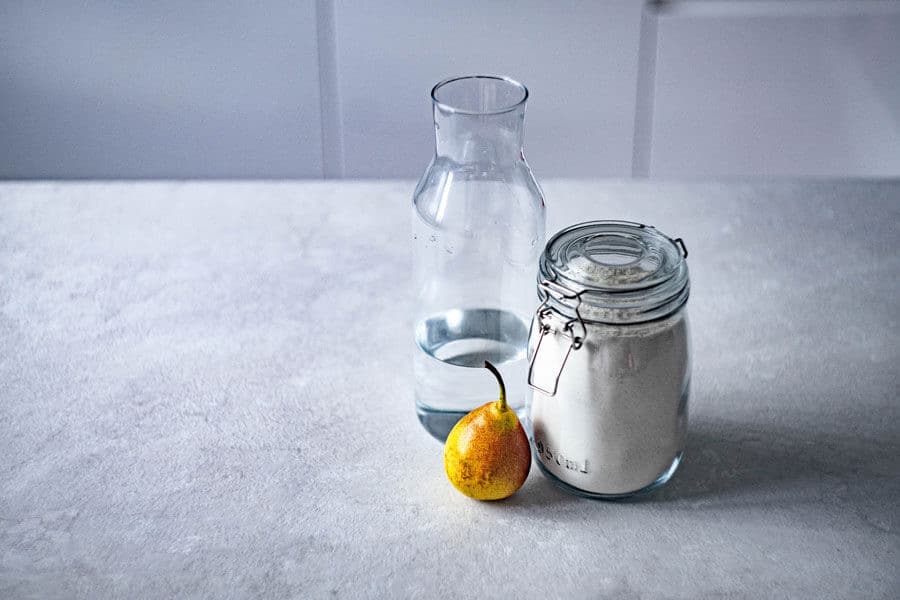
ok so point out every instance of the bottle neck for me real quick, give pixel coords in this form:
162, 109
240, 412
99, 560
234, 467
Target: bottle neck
488, 140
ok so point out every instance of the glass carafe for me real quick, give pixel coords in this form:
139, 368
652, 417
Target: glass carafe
478, 230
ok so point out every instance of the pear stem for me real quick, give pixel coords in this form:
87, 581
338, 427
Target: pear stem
501, 402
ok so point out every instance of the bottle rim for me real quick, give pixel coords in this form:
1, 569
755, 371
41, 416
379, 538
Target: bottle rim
502, 109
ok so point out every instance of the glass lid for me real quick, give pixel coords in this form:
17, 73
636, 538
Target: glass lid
614, 272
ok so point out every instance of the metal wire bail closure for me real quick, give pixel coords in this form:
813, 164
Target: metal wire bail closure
560, 292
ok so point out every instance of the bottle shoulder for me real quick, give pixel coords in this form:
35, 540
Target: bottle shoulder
448, 188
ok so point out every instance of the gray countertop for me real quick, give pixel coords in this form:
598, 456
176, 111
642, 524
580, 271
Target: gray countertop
205, 392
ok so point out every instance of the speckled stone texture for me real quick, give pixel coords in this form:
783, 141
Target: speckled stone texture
205, 393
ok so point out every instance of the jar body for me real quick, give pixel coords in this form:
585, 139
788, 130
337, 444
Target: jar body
478, 229
617, 423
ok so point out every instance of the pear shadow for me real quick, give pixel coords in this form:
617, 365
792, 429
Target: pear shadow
538, 491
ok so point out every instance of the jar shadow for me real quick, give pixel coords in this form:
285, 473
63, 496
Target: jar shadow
730, 462
769, 462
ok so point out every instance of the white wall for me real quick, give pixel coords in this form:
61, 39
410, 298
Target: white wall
287, 88
164, 88
579, 63
810, 89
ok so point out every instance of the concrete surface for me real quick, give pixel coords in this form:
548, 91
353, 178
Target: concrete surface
205, 393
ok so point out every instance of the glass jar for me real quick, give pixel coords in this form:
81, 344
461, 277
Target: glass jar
478, 229
610, 359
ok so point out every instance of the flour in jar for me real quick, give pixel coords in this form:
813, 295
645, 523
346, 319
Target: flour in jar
619, 417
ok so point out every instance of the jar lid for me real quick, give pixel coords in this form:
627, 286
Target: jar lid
614, 272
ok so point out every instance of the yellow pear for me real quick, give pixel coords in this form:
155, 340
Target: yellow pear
487, 456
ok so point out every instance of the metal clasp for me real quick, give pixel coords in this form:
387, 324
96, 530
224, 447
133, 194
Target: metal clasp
560, 292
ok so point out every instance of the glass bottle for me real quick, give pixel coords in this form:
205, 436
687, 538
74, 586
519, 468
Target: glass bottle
478, 230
